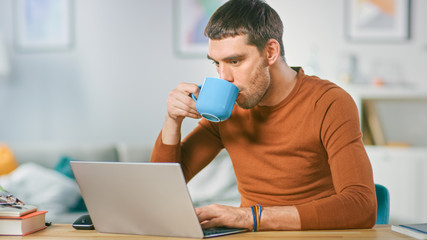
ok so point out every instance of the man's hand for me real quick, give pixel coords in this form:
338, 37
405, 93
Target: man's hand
181, 104
272, 218
219, 215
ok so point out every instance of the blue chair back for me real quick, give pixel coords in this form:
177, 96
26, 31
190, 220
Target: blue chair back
383, 204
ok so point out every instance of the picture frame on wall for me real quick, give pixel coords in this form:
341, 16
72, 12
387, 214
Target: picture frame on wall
43, 25
190, 20
377, 20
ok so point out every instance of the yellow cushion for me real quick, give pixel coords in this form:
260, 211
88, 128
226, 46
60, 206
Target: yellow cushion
7, 160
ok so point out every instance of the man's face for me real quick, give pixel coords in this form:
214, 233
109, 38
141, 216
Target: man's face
244, 66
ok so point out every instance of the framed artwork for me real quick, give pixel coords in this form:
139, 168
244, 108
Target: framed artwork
190, 20
377, 20
42, 25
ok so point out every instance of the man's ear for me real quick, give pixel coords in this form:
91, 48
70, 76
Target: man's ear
272, 51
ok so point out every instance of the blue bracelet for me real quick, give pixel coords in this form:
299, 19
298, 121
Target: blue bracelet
254, 217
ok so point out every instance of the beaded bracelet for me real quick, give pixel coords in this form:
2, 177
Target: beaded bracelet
256, 213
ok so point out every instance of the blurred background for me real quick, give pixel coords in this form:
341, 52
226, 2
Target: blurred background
98, 73
112, 81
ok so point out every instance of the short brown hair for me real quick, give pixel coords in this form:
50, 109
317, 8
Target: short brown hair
252, 17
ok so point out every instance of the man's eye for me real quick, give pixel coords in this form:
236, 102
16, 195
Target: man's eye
214, 62
234, 62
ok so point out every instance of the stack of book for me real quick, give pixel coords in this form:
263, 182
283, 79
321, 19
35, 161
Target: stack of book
416, 230
21, 219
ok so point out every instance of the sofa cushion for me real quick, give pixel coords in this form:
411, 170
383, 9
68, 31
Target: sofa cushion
64, 167
43, 187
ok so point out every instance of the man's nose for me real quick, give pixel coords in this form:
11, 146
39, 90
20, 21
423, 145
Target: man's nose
225, 73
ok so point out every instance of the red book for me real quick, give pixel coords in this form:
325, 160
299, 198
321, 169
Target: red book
23, 225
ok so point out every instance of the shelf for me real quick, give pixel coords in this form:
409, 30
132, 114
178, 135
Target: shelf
395, 92
369, 100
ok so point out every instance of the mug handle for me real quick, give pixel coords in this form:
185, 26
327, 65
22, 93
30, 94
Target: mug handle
194, 97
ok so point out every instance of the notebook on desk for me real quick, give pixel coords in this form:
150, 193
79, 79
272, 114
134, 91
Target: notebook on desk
140, 198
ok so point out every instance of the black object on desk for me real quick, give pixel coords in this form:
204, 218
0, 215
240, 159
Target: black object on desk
83, 223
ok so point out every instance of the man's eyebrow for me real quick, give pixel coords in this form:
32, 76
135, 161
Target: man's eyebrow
230, 58
209, 57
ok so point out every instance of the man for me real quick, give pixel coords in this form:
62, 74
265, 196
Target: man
294, 140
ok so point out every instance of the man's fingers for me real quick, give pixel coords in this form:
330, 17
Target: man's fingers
184, 111
208, 213
202, 214
208, 224
189, 88
207, 217
181, 104
227, 216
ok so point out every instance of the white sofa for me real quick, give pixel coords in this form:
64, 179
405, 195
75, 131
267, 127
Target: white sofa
214, 184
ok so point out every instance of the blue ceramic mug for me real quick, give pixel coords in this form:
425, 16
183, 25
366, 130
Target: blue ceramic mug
216, 99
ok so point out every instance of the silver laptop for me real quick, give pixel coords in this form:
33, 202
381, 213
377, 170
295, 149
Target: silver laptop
140, 198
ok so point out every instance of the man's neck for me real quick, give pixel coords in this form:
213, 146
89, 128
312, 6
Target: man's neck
283, 79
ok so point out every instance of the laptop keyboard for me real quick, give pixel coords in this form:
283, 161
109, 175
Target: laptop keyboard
219, 231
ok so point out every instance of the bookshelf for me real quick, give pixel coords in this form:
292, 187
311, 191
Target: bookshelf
368, 98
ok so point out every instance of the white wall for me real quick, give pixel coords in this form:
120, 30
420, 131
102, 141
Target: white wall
113, 84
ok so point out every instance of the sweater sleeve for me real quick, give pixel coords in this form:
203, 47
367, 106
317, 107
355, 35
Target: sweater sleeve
194, 152
354, 204
164, 152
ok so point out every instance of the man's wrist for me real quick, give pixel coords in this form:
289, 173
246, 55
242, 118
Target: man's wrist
280, 218
248, 219
171, 131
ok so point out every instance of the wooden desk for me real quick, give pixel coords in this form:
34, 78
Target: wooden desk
65, 231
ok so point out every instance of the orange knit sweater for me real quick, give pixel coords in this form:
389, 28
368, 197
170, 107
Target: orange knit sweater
306, 151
